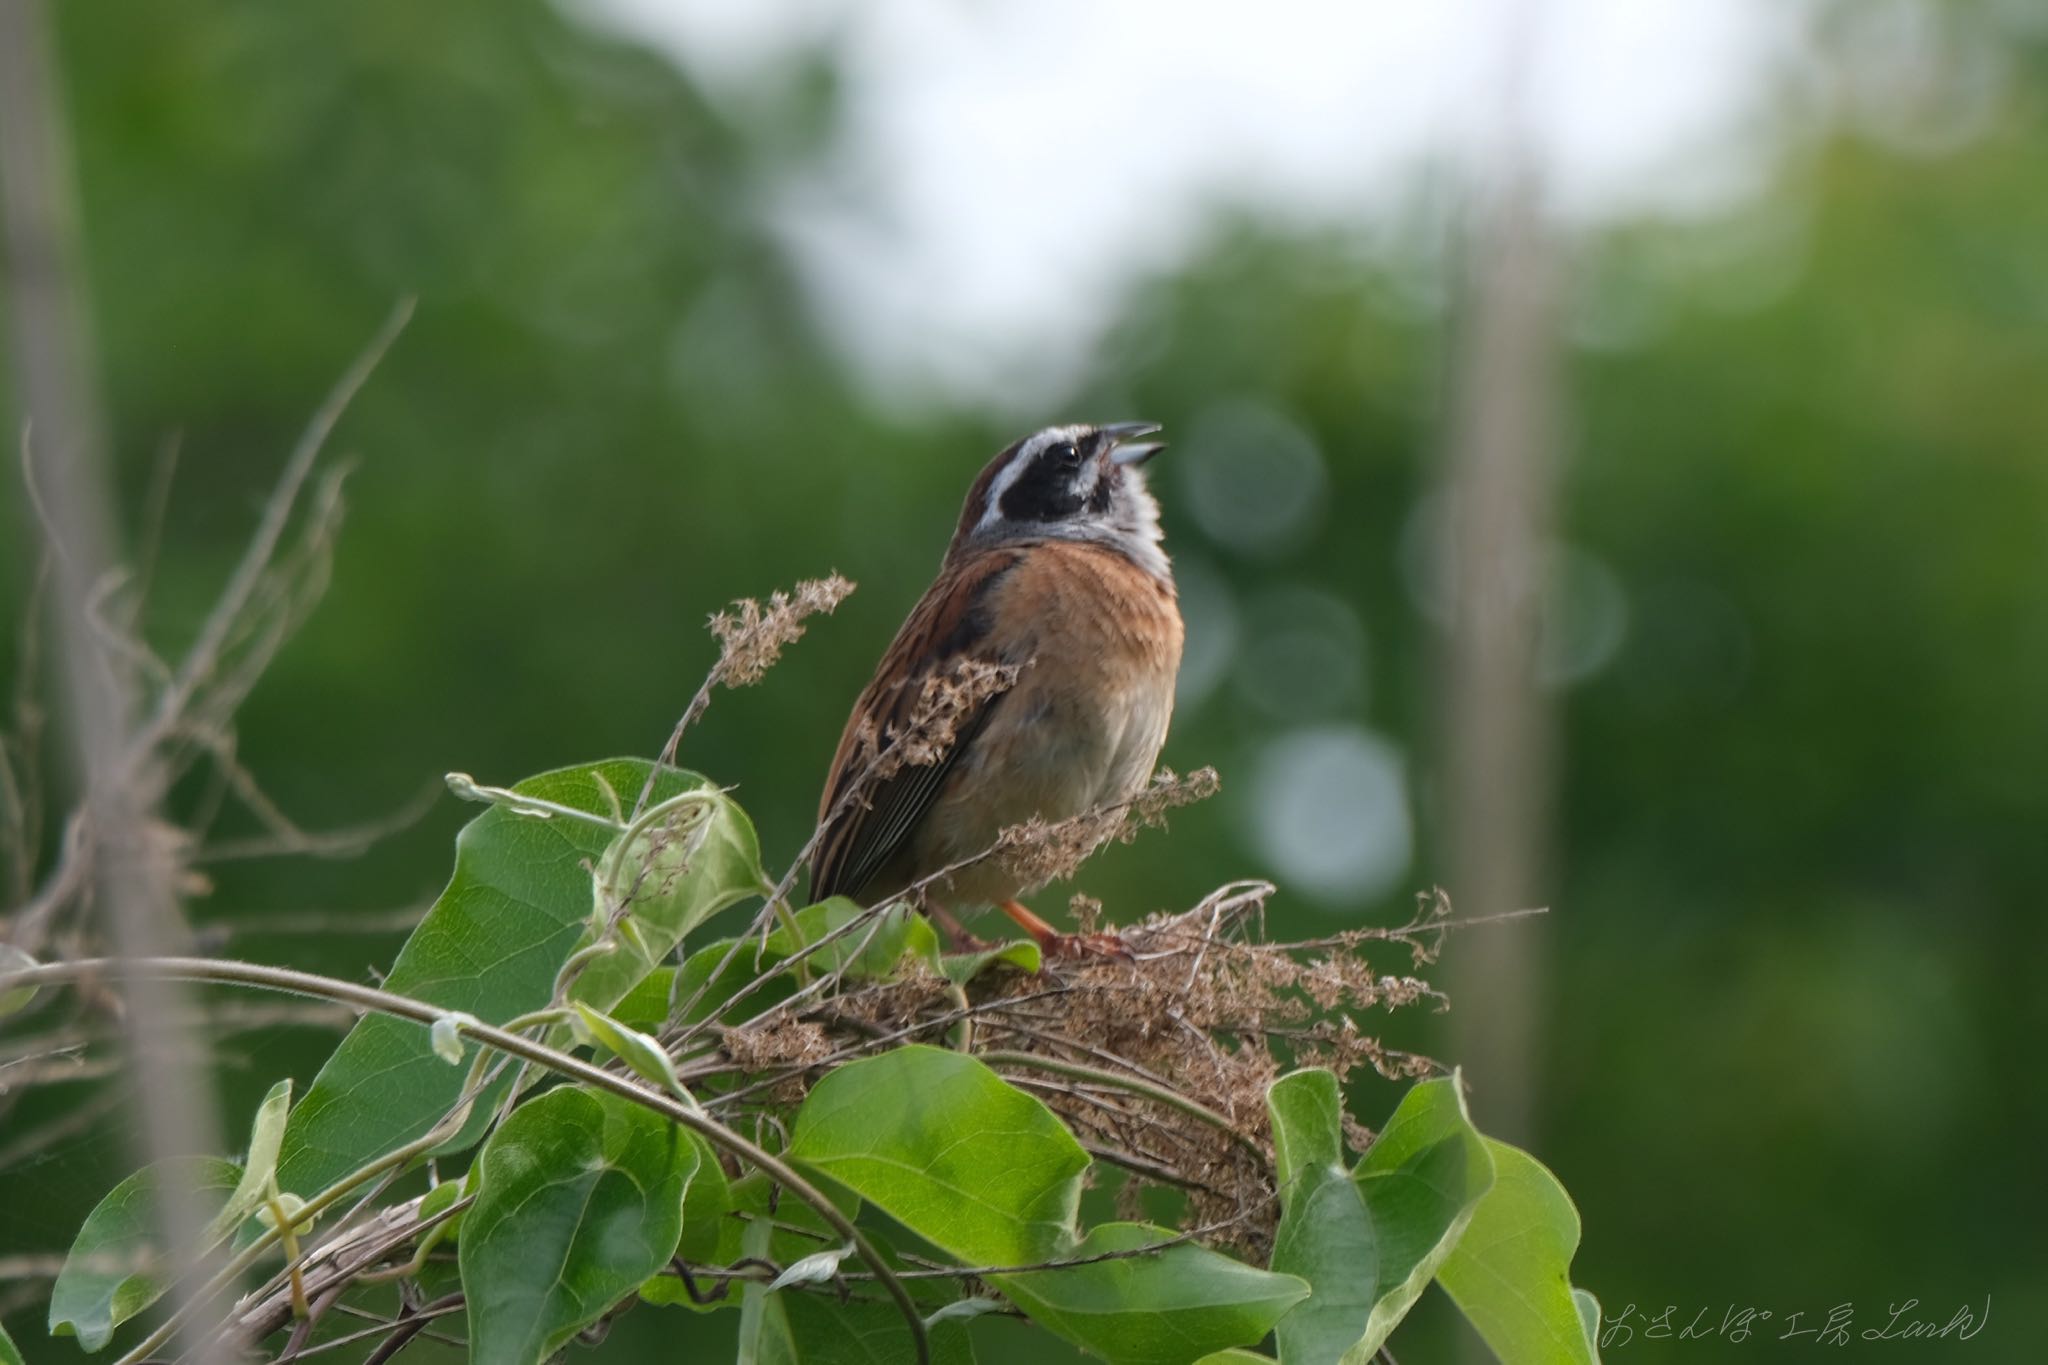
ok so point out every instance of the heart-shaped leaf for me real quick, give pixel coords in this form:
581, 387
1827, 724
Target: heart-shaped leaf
1511, 1272
579, 1200
973, 1165
114, 1269
518, 904
1368, 1239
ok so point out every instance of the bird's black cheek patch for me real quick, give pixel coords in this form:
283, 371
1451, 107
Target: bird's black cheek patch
1043, 492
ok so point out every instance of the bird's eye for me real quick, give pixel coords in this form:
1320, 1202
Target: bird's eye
1067, 456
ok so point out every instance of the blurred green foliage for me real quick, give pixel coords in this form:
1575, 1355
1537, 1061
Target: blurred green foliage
1790, 1059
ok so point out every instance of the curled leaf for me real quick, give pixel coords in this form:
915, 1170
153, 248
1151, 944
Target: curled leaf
815, 1268
648, 1059
973, 1307
446, 1037
259, 1171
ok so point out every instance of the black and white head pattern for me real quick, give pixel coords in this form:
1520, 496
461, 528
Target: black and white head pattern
1072, 483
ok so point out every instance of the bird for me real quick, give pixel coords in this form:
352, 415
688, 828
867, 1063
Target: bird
1056, 571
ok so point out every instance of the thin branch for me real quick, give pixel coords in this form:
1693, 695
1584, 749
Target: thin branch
204, 655
286, 839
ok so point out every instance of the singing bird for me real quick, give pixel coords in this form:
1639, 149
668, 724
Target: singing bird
1055, 570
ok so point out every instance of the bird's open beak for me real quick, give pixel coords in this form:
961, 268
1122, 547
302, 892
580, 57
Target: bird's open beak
1118, 439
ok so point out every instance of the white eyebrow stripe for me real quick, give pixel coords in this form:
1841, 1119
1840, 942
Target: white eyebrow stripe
1014, 470
1011, 472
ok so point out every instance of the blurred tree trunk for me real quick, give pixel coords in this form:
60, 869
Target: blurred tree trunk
131, 880
1496, 737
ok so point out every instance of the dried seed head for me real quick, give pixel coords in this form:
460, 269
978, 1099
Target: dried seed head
751, 637
1038, 851
944, 703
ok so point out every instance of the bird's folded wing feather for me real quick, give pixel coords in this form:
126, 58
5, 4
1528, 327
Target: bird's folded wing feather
864, 829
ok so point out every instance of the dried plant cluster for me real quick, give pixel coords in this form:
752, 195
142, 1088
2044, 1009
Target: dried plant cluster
1159, 1062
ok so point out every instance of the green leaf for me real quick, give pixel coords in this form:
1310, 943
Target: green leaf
709, 979
13, 959
1022, 953
1167, 1308
9, 1355
432, 1203
517, 905
1589, 1319
764, 1337
672, 877
1236, 1356
1421, 1179
1368, 1240
108, 1277
259, 1168
647, 1058
799, 1329
1325, 1233
825, 1332
706, 1203
1510, 1273
989, 1175
974, 1166
579, 1200
873, 950
712, 975
646, 1005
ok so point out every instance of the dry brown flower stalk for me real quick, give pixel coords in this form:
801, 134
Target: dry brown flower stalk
945, 702
751, 637
1039, 852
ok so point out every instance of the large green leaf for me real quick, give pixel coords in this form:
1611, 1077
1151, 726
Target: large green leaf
711, 1237
1510, 1273
988, 1174
1326, 1232
579, 1200
108, 1277
1166, 1308
518, 903
942, 1145
1370, 1239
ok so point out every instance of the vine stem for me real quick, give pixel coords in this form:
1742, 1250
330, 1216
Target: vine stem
223, 972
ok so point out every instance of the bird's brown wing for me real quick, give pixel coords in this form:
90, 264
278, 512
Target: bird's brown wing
862, 832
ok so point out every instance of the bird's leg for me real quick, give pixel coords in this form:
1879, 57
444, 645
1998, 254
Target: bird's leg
956, 933
1054, 944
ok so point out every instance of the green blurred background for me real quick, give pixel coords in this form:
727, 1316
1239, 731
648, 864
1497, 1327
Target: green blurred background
1797, 645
